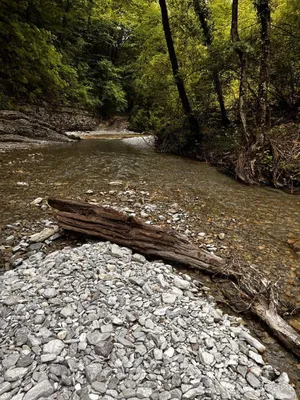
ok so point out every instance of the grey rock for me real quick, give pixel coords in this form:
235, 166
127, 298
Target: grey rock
253, 380
21, 336
41, 389
67, 311
116, 251
4, 387
250, 396
281, 391
256, 357
97, 337
144, 393
193, 393
14, 374
176, 394
100, 326
18, 397
6, 396
25, 361
59, 370
92, 371
169, 298
99, 387
138, 258
104, 348
48, 357
50, 293
11, 360
181, 283
283, 378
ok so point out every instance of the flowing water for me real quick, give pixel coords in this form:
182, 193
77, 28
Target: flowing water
258, 220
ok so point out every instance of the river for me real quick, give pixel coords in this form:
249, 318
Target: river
257, 221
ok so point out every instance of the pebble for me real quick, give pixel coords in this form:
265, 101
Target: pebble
181, 283
49, 293
41, 389
15, 374
55, 346
4, 387
99, 322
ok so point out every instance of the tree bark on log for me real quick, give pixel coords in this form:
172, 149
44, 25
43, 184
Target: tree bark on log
109, 224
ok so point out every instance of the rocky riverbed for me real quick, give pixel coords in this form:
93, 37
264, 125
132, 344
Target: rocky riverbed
98, 322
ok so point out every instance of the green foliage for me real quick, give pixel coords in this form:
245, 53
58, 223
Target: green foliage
60, 52
112, 56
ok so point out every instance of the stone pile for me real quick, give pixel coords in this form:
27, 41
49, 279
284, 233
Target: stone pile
99, 322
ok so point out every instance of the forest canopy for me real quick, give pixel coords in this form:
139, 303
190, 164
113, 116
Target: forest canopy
237, 63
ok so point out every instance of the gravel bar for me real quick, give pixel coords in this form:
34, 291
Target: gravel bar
101, 322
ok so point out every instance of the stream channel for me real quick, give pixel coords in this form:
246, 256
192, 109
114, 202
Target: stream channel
256, 221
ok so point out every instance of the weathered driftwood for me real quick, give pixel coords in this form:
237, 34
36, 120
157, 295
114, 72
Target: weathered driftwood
109, 224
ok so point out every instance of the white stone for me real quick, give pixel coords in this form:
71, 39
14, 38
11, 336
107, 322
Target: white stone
55, 346
67, 311
62, 335
43, 235
170, 352
181, 283
281, 391
158, 354
49, 293
37, 201
206, 358
256, 357
193, 393
48, 357
169, 298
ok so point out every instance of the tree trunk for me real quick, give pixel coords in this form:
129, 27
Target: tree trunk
194, 126
219, 91
243, 73
115, 226
264, 17
202, 13
245, 166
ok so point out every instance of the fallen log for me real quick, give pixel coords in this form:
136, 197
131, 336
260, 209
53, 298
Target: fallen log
109, 224
115, 226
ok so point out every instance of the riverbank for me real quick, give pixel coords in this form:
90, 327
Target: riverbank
278, 165
105, 323
249, 225
31, 126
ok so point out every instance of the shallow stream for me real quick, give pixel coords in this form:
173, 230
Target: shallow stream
257, 221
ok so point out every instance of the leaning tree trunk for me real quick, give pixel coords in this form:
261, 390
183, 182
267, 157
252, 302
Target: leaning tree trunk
193, 123
203, 15
108, 224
